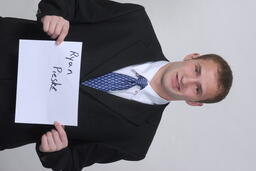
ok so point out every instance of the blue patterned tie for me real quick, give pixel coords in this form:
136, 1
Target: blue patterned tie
115, 81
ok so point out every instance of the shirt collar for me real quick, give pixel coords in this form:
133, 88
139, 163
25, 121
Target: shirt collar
148, 70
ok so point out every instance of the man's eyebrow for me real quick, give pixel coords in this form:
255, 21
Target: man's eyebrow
200, 73
199, 68
200, 90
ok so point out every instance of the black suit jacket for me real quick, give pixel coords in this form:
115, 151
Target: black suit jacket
114, 35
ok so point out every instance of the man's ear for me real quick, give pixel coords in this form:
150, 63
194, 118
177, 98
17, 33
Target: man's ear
191, 56
194, 103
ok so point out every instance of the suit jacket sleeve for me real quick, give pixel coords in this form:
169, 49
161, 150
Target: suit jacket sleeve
84, 11
79, 155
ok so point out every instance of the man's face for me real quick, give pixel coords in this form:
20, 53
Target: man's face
190, 80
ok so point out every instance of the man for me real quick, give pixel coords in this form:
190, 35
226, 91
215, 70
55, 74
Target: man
112, 125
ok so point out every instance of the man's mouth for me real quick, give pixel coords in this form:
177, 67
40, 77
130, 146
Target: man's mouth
177, 82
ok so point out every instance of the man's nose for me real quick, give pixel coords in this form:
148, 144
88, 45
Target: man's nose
188, 80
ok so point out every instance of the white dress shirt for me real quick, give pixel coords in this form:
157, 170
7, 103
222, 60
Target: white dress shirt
146, 95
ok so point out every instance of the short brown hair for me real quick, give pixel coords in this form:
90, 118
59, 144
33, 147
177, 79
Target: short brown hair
225, 77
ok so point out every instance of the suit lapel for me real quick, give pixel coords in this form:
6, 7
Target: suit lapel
135, 112
135, 54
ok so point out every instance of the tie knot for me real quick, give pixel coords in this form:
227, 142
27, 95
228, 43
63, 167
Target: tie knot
142, 82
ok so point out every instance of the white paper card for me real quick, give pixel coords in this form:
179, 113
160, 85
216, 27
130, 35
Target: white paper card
48, 82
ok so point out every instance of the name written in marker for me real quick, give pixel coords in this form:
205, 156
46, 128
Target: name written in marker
54, 79
71, 60
58, 71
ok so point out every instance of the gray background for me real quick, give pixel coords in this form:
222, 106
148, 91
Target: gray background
217, 137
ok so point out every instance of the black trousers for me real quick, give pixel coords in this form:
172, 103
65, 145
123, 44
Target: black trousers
13, 134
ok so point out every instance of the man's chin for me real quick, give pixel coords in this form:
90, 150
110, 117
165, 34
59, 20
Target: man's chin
175, 96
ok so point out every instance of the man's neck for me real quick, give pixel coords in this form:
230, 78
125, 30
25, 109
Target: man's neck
156, 82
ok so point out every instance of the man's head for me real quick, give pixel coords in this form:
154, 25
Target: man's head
197, 79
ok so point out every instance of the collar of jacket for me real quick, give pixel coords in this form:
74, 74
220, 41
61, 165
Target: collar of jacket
137, 53
135, 112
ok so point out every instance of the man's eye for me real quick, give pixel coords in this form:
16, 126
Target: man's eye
196, 69
198, 90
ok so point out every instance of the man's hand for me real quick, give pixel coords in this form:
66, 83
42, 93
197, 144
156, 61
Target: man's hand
56, 27
54, 140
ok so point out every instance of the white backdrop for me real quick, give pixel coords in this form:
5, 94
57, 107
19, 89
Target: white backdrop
216, 137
